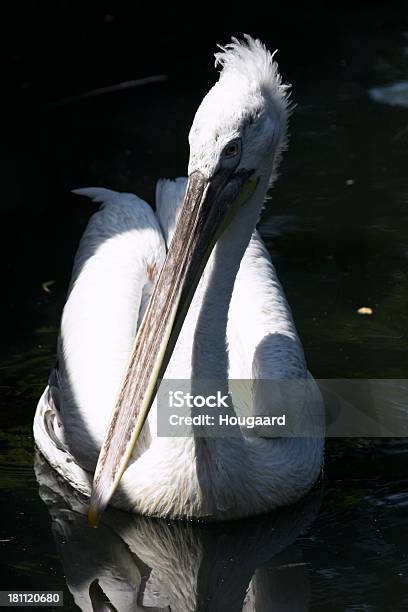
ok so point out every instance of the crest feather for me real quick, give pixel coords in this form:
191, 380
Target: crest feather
251, 60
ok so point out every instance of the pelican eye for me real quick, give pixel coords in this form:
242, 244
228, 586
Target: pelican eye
232, 149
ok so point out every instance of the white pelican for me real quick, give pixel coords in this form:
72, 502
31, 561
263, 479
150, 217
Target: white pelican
189, 292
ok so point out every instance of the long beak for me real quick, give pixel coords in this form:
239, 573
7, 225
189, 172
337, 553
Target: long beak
208, 207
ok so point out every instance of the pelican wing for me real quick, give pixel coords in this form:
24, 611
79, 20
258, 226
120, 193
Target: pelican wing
116, 266
169, 198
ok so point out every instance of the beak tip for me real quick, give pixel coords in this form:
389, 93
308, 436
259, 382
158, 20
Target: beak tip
93, 516
99, 500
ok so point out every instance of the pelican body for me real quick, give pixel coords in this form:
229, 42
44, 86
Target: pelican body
187, 292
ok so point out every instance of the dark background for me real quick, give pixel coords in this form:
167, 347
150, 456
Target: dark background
52, 51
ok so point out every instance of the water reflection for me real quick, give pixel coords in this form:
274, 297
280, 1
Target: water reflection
136, 563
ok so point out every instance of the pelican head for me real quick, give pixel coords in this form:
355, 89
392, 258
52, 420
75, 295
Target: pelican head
241, 124
236, 139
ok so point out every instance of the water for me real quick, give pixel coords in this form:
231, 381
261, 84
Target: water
337, 229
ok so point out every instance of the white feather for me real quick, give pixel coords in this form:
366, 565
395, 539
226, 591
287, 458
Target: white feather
118, 259
169, 198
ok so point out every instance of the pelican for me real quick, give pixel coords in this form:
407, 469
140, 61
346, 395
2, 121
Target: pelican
187, 292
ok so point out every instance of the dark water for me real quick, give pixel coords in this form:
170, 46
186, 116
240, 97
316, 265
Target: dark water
337, 227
